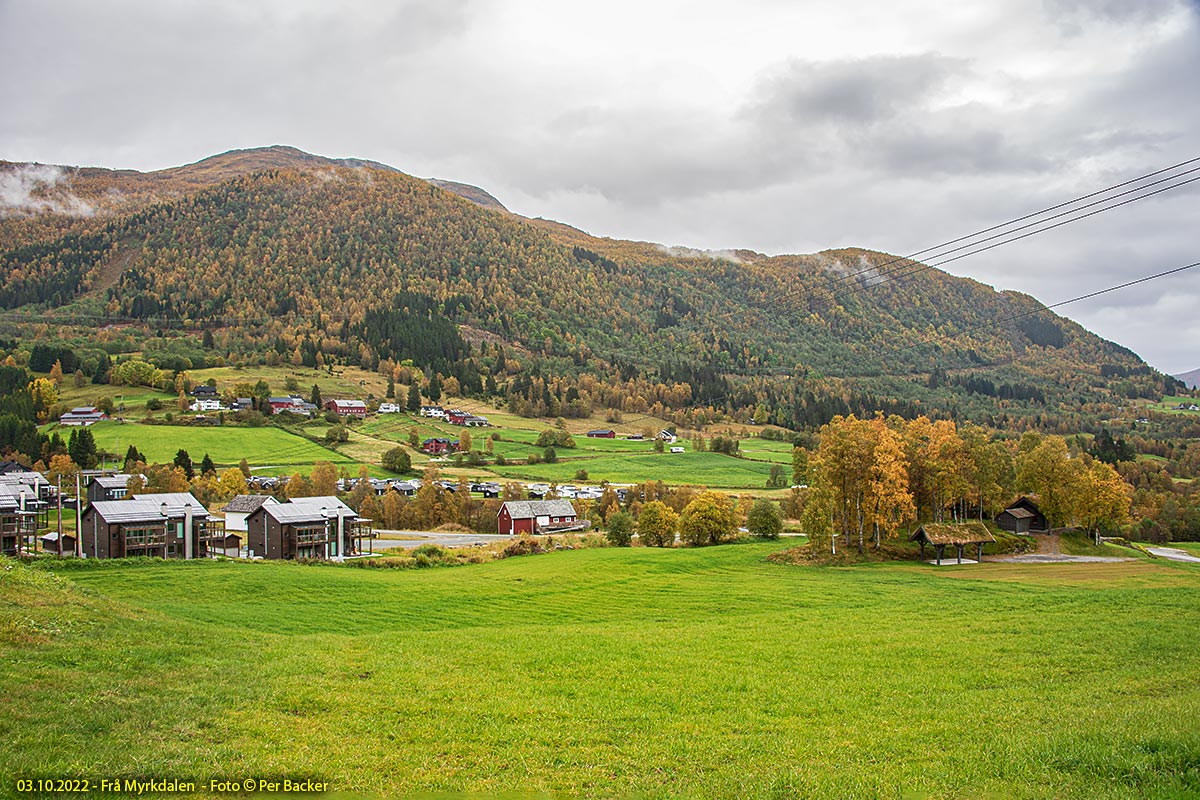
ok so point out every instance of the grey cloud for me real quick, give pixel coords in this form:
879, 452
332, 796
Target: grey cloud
857, 91
1072, 14
35, 188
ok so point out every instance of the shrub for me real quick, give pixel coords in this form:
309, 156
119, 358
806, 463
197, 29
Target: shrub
554, 438
581, 474
153, 404
765, 519
524, 546
620, 529
337, 433
397, 460
550, 456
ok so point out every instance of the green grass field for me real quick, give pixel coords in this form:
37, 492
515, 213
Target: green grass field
268, 448
1168, 403
697, 469
611, 673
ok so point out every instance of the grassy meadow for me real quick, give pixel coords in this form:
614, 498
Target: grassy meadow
267, 449
611, 673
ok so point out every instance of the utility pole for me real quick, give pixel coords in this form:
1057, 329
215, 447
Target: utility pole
79, 518
60, 529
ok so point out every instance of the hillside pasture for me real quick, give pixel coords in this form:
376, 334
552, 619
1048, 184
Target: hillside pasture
689, 468
612, 673
266, 449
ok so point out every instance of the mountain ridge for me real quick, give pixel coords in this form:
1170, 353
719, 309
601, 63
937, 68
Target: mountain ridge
1191, 379
356, 261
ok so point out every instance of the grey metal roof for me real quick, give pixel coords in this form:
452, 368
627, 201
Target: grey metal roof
247, 503
26, 478
527, 509
148, 508
119, 481
309, 509
175, 501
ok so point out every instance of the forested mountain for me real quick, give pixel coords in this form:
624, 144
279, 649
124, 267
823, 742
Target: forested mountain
281, 255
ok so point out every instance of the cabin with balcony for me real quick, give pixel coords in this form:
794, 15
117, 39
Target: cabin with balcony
306, 527
167, 525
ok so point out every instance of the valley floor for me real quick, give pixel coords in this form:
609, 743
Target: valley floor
610, 672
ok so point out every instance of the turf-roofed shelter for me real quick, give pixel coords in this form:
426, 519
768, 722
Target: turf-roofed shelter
952, 534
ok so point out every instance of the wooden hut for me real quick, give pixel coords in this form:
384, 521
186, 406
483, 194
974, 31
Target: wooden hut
957, 535
1022, 516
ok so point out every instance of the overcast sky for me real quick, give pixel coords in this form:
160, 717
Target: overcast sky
774, 125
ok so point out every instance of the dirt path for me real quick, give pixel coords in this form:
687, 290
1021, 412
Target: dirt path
1048, 544
1049, 551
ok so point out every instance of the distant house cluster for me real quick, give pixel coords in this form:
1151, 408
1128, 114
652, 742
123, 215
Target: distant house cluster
293, 404
455, 416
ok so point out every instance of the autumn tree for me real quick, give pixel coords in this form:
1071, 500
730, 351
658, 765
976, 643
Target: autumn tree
1048, 471
324, 479
817, 516
709, 519
229, 484
1103, 498
298, 486
888, 500
656, 524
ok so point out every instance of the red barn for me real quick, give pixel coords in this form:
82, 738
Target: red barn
533, 516
605, 434
347, 408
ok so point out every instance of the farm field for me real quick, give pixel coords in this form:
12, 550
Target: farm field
266, 449
612, 672
699, 469
1169, 402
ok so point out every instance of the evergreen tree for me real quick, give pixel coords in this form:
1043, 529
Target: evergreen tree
315, 398
414, 397
184, 462
82, 449
132, 457
435, 389
207, 465
103, 369
391, 388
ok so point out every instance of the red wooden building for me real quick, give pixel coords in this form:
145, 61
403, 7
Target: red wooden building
347, 408
534, 516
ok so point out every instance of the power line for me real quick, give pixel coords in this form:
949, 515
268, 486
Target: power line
923, 267
1042, 212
